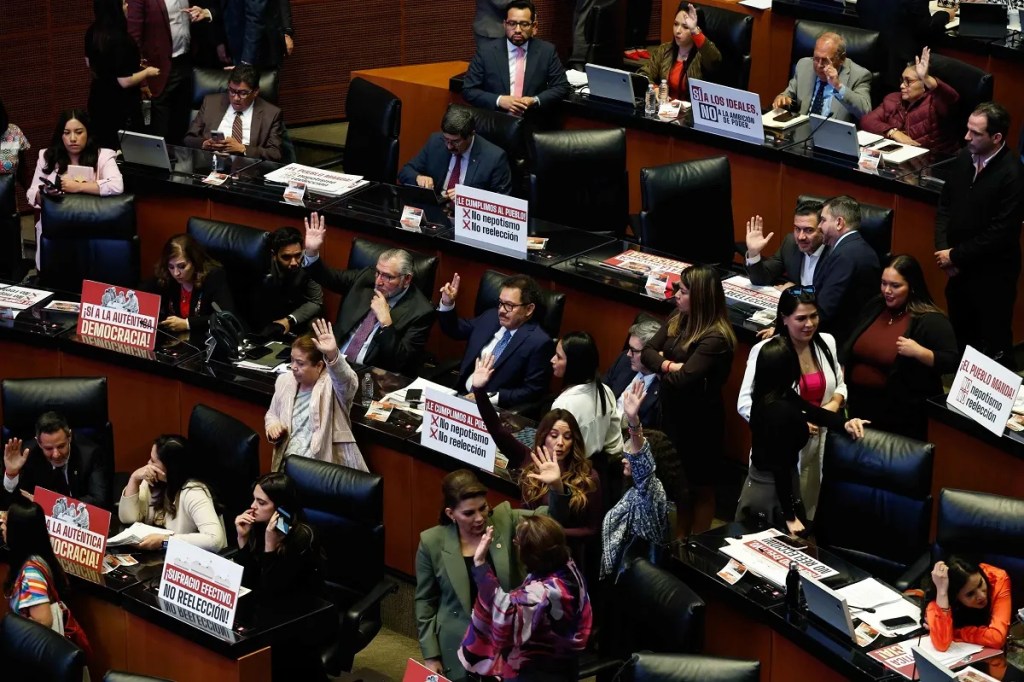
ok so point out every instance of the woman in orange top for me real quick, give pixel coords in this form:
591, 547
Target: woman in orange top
969, 603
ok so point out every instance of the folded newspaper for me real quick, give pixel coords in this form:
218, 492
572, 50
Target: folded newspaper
317, 180
135, 533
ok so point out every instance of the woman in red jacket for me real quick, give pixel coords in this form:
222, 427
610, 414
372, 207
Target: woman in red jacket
969, 603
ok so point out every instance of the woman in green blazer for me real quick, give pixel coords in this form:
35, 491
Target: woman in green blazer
445, 592
691, 54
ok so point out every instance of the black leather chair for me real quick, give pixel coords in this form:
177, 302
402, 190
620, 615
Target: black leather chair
731, 32
579, 179
972, 84
548, 310
374, 123
245, 254
118, 676
887, 479
862, 46
88, 237
81, 400
875, 225
230, 453
345, 507
364, 254
648, 667
10, 228
687, 210
30, 651
509, 133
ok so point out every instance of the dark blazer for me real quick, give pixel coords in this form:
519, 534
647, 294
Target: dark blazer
398, 348
215, 289
150, 28
278, 24
487, 77
283, 293
264, 135
488, 165
244, 27
522, 371
88, 470
846, 276
620, 376
785, 264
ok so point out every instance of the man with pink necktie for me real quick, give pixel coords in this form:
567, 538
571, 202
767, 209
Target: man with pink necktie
519, 73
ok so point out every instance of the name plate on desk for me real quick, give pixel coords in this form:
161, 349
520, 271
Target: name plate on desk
78, 531
200, 582
491, 221
983, 390
726, 111
452, 425
118, 314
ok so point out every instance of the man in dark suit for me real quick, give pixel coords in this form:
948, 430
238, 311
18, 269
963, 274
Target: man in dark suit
828, 82
251, 126
493, 80
457, 155
288, 299
977, 235
522, 350
384, 320
798, 257
77, 468
628, 368
849, 273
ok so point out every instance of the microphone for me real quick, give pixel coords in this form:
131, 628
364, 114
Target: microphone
810, 136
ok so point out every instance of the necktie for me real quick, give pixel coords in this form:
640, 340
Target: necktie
819, 97
59, 482
502, 344
517, 88
236, 127
360, 335
456, 172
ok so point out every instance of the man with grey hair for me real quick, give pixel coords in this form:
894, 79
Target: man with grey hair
628, 368
457, 155
828, 83
383, 320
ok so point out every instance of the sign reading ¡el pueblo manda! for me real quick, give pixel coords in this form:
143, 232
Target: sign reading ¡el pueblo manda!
118, 314
452, 425
983, 390
200, 582
78, 531
491, 221
726, 111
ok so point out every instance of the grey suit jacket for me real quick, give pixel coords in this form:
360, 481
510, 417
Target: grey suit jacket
857, 97
265, 134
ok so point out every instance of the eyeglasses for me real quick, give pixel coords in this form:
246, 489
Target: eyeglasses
387, 277
521, 24
798, 291
633, 351
450, 143
240, 94
507, 307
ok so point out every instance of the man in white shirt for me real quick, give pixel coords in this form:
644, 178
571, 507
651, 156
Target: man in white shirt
799, 255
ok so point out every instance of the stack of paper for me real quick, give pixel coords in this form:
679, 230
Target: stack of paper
135, 533
886, 602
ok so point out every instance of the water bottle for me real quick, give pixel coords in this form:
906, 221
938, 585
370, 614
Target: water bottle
662, 92
651, 101
147, 112
367, 388
793, 587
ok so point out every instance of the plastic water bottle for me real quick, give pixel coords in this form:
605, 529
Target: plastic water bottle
367, 388
662, 92
147, 112
651, 101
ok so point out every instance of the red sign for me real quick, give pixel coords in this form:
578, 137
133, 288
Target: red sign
118, 314
78, 531
417, 672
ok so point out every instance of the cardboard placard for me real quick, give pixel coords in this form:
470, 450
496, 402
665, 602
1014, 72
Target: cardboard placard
452, 425
78, 531
118, 314
417, 672
491, 221
200, 582
983, 390
726, 111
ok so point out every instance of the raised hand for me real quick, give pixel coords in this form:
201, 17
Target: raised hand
323, 339
14, 457
756, 241
690, 18
450, 291
480, 555
484, 369
632, 399
548, 471
921, 63
832, 74
315, 233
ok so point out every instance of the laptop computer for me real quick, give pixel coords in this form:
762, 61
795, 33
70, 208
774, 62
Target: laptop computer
612, 85
985, 20
837, 137
828, 605
144, 150
929, 668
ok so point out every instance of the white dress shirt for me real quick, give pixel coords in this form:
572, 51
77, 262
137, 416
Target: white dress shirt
180, 26
808, 264
228, 121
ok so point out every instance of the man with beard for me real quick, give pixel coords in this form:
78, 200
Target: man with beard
795, 261
288, 300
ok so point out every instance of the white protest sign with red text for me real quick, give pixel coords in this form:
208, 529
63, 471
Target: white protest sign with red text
983, 390
78, 531
118, 314
200, 582
452, 425
491, 221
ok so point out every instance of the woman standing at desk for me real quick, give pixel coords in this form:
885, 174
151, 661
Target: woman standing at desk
691, 54
968, 602
692, 352
189, 282
586, 396
309, 413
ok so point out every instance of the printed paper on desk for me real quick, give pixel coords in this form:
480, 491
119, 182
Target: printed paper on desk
20, 298
200, 582
78, 531
417, 672
741, 290
726, 111
118, 314
983, 390
452, 426
491, 221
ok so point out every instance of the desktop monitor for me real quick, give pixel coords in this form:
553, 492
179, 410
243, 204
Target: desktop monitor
828, 605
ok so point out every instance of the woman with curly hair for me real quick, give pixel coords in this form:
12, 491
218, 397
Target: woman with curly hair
189, 282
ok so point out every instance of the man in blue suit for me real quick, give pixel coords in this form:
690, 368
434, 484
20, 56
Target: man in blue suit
522, 350
628, 368
519, 73
457, 155
849, 273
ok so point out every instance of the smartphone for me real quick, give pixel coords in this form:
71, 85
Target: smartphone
217, 136
898, 622
785, 116
414, 395
888, 148
284, 521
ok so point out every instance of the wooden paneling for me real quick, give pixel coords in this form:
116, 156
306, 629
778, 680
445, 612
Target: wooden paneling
158, 222
106, 626
729, 633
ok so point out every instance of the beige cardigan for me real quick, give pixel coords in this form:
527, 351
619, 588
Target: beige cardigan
329, 407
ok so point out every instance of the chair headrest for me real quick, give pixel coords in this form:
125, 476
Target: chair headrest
84, 216
337, 490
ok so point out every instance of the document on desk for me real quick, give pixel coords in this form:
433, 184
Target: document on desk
317, 180
886, 602
135, 533
900, 658
766, 555
397, 398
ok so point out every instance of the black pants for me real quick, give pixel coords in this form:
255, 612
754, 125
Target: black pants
981, 311
171, 108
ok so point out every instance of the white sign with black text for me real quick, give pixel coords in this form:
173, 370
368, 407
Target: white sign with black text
452, 425
726, 111
200, 582
983, 390
491, 221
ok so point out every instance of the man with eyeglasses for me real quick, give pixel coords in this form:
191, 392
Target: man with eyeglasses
519, 73
287, 300
383, 320
521, 349
457, 155
246, 125
628, 368
828, 83
796, 261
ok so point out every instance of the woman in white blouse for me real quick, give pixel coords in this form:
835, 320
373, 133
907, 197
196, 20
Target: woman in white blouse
167, 493
586, 396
